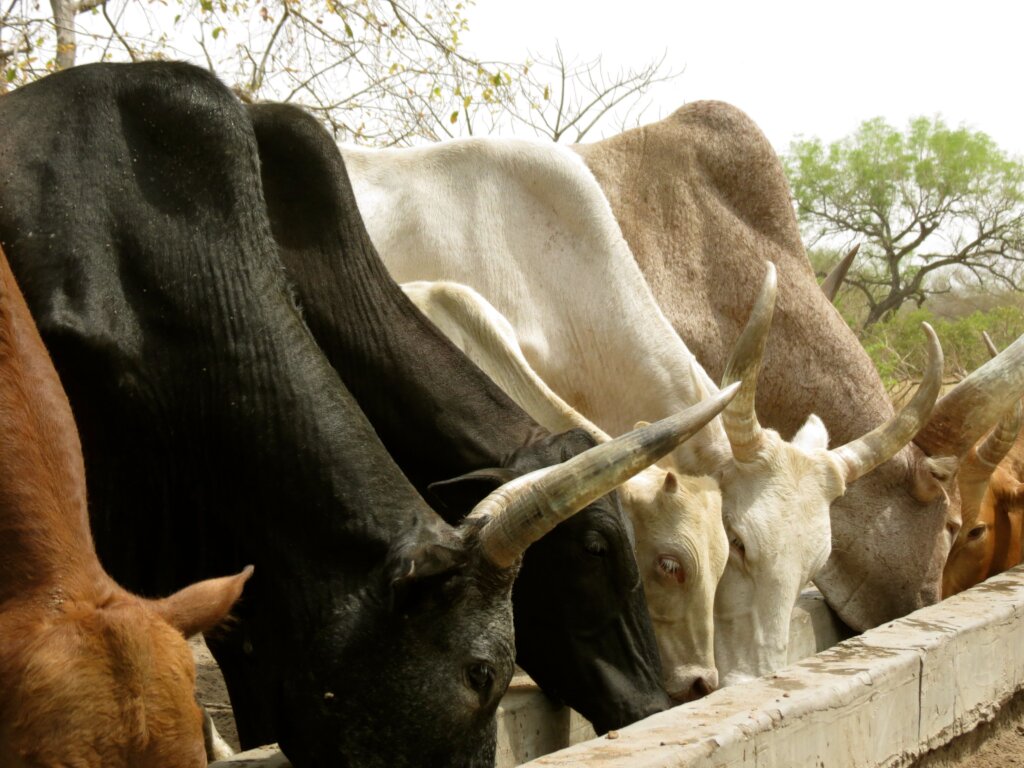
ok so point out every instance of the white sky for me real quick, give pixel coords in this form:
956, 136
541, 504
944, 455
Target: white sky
795, 66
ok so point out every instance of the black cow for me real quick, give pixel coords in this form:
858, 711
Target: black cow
582, 627
216, 434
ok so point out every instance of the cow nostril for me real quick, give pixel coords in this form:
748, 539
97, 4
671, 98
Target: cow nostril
702, 687
698, 689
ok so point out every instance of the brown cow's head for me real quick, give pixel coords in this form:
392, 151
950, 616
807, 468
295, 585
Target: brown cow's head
992, 504
91, 675
104, 678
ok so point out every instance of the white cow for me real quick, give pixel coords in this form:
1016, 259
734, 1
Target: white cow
526, 225
681, 546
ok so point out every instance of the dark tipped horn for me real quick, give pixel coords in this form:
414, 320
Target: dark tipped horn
983, 460
973, 407
521, 511
830, 285
882, 443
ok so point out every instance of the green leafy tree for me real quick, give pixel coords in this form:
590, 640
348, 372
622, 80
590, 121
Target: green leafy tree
896, 349
935, 208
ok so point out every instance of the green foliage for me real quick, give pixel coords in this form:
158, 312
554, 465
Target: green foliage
926, 200
897, 345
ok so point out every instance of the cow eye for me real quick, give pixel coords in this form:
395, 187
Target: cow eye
669, 567
595, 544
480, 676
977, 532
736, 546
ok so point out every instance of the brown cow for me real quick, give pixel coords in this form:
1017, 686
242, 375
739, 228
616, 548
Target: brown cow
990, 541
992, 505
702, 200
91, 676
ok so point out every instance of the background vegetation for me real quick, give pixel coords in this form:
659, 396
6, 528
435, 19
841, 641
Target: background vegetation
378, 72
939, 216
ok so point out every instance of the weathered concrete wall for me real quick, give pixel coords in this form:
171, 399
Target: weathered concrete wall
529, 725
881, 699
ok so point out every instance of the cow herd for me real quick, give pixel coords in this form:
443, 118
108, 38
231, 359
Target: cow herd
394, 393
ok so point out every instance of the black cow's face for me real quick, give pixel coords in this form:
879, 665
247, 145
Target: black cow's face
583, 631
411, 676
596, 652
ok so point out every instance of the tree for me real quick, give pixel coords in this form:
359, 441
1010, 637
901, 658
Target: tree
374, 71
935, 208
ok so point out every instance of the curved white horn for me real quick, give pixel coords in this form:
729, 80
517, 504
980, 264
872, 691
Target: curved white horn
882, 443
740, 418
983, 460
973, 407
521, 511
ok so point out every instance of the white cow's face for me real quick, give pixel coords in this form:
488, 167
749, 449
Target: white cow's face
681, 551
776, 515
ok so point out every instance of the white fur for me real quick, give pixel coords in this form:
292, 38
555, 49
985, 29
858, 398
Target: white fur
526, 225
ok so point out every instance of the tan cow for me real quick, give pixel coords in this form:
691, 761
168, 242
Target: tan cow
91, 676
702, 200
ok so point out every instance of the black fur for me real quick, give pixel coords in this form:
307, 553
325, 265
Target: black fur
582, 627
216, 434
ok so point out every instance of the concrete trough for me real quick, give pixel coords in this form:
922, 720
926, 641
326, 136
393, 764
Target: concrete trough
883, 698
530, 725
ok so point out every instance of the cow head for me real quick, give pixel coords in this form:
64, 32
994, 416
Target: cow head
100, 677
682, 551
601, 644
992, 502
916, 498
775, 503
443, 600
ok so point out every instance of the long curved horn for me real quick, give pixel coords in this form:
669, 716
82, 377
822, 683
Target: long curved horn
740, 418
883, 442
971, 409
521, 511
983, 460
830, 285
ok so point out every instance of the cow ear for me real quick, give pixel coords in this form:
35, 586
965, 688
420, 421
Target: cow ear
460, 494
812, 436
671, 484
203, 605
931, 475
417, 564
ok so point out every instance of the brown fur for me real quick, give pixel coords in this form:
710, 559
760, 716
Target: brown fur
91, 675
990, 540
702, 201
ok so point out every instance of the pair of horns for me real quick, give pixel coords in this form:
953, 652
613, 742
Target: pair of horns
526, 508
980, 464
858, 456
988, 396
975, 405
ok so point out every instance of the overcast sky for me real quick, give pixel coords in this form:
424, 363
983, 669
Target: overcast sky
796, 67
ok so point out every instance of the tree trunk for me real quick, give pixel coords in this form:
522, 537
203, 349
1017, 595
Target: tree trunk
64, 20
890, 303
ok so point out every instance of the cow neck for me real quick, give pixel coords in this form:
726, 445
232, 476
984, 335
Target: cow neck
282, 446
44, 527
436, 412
